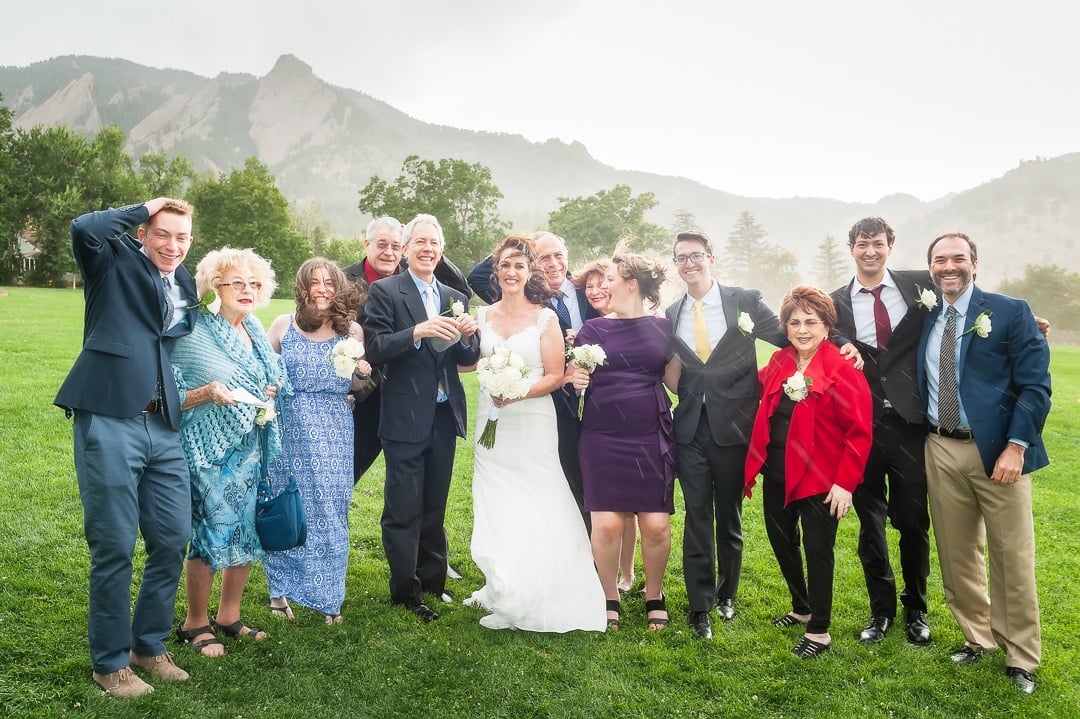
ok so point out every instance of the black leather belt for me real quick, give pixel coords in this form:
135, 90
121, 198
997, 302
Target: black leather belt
951, 433
154, 406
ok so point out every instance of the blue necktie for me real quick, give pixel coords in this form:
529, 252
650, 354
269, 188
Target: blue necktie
563, 313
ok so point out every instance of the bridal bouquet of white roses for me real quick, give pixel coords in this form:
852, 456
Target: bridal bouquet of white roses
345, 355
501, 374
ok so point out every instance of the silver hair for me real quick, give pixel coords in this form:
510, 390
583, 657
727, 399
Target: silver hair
381, 223
544, 234
406, 233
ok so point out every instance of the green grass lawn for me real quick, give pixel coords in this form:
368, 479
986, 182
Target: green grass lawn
381, 662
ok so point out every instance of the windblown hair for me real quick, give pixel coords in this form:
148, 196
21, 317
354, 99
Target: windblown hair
537, 290
407, 231
383, 223
648, 273
346, 297
869, 227
212, 268
808, 299
596, 267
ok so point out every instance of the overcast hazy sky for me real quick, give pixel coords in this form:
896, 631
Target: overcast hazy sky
849, 99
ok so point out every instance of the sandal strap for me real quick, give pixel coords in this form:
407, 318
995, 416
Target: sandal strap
236, 629
614, 605
187, 635
655, 605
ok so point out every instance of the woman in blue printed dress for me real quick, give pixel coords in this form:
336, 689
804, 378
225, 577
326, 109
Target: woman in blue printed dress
317, 440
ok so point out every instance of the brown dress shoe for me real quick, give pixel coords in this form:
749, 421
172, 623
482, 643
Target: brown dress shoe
122, 684
160, 667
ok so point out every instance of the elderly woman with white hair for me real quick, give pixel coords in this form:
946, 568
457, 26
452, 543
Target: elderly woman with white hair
223, 368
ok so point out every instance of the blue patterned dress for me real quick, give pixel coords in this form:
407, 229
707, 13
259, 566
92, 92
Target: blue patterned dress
317, 451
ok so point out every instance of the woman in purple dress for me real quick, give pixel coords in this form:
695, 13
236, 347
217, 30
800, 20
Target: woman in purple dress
627, 451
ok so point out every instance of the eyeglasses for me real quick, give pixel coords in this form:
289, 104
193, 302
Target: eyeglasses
694, 257
239, 285
808, 324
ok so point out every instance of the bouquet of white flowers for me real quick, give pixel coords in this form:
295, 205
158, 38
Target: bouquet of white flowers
587, 357
501, 374
345, 355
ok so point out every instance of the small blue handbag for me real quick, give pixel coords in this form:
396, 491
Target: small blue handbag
280, 521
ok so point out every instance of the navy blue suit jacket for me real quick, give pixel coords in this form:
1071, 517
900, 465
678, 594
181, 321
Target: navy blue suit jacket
410, 375
125, 349
1004, 377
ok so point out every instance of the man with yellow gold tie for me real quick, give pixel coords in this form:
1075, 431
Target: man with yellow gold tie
715, 327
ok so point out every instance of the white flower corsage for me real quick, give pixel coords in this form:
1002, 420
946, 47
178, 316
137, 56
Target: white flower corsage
926, 298
210, 302
982, 325
266, 414
797, 386
456, 309
745, 324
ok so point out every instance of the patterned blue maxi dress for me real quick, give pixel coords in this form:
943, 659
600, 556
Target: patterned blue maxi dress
318, 451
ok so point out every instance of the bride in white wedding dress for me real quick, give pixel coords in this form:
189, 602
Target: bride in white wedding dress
528, 538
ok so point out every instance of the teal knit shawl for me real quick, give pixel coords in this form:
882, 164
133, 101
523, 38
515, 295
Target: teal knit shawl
214, 351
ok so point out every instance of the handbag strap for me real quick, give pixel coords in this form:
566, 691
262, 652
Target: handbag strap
264, 452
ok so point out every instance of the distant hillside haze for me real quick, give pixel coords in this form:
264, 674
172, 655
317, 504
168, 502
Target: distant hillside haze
324, 143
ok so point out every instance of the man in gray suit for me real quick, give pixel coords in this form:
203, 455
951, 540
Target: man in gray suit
128, 459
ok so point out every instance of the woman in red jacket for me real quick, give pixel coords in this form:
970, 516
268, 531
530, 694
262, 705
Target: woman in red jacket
810, 442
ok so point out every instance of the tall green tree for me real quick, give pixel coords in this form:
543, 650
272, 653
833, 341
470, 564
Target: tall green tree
164, 177
684, 221
744, 246
830, 264
1052, 291
462, 196
246, 209
9, 224
597, 223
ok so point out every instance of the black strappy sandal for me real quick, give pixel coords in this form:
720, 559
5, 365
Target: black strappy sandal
187, 636
808, 648
613, 605
656, 605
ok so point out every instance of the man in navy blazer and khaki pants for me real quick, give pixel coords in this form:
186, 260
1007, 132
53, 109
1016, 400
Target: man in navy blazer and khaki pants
423, 411
128, 459
985, 381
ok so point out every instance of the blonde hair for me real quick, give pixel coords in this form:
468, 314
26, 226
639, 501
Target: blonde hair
212, 268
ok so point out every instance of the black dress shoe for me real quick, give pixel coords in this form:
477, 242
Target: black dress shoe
700, 625
426, 613
918, 631
965, 655
726, 609
1021, 679
875, 631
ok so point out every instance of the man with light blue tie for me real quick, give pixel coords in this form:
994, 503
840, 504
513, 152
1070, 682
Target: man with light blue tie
418, 347
985, 382
128, 458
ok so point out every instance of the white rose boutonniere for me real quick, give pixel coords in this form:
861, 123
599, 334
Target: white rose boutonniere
456, 309
746, 325
209, 302
926, 298
982, 325
797, 386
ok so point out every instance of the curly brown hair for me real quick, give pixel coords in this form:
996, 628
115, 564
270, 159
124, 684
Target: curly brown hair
648, 273
346, 297
537, 291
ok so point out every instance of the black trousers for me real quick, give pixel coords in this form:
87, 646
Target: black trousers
711, 477
414, 506
812, 592
366, 443
569, 428
894, 488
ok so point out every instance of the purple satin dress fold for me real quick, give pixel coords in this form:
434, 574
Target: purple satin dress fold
627, 449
